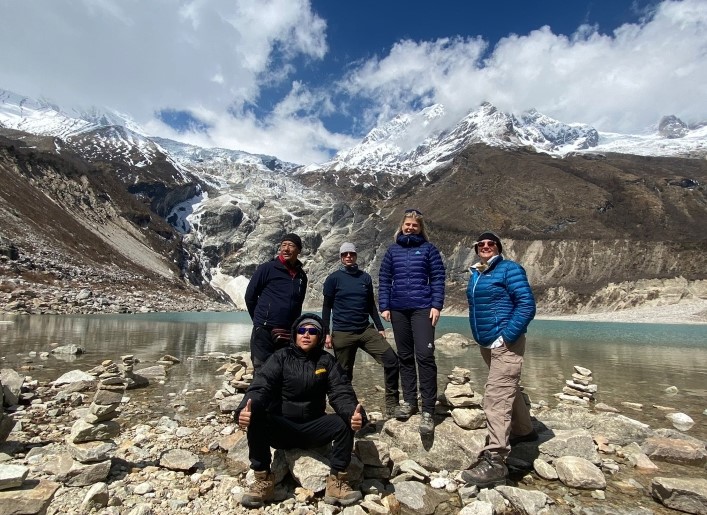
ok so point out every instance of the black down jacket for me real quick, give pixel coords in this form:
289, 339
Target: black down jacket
295, 384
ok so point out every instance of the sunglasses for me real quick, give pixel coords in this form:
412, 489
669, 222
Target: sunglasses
486, 243
413, 212
312, 331
348, 254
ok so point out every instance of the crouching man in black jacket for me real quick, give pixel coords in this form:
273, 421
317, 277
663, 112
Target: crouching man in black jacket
284, 408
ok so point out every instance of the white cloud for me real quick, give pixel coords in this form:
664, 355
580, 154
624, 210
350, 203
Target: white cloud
214, 57
142, 56
623, 81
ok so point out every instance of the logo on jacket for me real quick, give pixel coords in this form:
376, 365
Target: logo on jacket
417, 252
320, 371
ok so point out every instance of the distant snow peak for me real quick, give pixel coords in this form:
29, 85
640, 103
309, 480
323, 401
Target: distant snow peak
420, 142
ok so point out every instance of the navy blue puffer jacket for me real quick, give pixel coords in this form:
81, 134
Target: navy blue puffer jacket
501, 302
411, 275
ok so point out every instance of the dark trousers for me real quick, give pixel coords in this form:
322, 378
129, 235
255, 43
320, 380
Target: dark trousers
268, 430
346, 343
263, 344
415, 339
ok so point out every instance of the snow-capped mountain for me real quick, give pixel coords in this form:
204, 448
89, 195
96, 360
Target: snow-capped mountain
410, 144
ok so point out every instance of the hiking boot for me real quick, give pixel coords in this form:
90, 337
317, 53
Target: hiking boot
530, 437
427, 424
260, 492
489, 472
405, 411
390, 412
338, 490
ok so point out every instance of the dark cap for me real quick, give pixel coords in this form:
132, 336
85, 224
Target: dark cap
488, 236
292, 237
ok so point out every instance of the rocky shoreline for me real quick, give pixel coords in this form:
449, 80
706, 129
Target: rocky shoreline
82, 443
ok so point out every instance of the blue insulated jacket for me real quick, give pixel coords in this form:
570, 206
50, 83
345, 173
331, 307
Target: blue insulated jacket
501, 302
411, 275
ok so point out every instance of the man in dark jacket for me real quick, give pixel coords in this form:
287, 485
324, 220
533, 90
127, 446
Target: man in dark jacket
348, 293
274, 299
284, 408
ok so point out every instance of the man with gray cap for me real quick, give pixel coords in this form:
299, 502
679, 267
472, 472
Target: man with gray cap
348, 294
274, 299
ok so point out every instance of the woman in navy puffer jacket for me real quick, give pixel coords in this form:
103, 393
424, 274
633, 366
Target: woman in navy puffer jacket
411, 296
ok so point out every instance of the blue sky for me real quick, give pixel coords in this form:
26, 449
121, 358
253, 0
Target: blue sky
302, 79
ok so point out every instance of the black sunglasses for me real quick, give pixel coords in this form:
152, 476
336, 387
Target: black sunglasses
313, 331
347, 254
413, 212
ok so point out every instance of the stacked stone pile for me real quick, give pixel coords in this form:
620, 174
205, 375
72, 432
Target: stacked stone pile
237, 376
579, 389
91, 440
461, 401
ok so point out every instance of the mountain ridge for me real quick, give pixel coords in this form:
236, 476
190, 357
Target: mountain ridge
215, 214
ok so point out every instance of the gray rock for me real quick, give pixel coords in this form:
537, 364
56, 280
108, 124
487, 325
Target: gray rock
96, 497
687, 495
74, 376
477, 508
153, 372
91, 452
11, 385
579, 473
576, 442
453, 341
309, 468
680, 421
468, 418
418, 498
34, 496
85, 474
672, 450
527, 502
544, 469
499, 503
619, 429
179, 459
70, 349
230, 404
451, 447
12, 476
7, 424
82, 431
373, 452
108, 397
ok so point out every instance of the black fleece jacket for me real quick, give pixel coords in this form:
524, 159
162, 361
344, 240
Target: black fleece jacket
296, 384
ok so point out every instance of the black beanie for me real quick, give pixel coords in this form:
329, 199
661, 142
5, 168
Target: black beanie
488, 236
293, 238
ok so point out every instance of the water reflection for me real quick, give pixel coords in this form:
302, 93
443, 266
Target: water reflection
630, 362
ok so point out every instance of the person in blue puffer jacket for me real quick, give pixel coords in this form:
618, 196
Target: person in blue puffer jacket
501, 305
411, 296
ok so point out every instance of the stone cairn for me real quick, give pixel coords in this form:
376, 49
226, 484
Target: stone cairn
91, 438
579, 389
237, 376
131, 379
460, 399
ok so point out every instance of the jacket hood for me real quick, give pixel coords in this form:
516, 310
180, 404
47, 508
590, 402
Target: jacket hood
303, 316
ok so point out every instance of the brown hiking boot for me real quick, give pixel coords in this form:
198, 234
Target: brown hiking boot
260, 492
489, 472
338, 490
